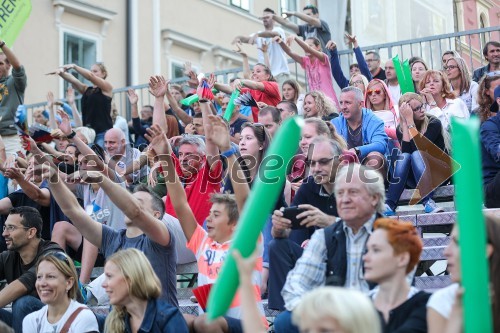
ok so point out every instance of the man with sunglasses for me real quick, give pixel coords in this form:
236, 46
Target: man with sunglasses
22, 232
317, 200
491, 53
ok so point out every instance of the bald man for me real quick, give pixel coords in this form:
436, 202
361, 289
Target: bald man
128, 160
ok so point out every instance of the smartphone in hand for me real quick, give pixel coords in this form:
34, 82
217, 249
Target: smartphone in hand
291, 214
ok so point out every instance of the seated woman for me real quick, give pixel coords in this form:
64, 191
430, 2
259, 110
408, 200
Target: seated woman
462, 85
292, 92
57, 287
379, 100
411, 164
392, 251
418, 68
359, 81
444, 313
133, 289
317, 104
485, 96
442, 102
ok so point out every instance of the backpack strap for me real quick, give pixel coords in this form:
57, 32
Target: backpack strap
72, 317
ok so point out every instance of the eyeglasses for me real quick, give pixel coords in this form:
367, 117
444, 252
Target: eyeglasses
11, 228
373, 91
419, 108
356, 82
371, 60
320, 162
446, 68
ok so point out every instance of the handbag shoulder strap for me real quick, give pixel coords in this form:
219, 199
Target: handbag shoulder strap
72, 317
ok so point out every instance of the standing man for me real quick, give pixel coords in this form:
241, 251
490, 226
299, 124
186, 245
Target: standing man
12, 89
278, 62
22, 232
392, 81
373, 60
314, 27
491, 53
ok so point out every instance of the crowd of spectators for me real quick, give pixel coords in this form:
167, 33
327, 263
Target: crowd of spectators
139, 196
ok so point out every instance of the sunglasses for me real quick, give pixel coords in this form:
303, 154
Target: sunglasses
446, 68
320, 162
59, 256
373, 91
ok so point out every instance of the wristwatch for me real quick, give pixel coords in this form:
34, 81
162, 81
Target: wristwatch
72, 135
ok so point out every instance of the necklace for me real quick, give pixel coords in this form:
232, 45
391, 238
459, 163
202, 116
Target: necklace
352, 132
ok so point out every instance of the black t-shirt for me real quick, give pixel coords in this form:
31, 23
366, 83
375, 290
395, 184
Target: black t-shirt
96, 110
236, 126
12, 267
19, 198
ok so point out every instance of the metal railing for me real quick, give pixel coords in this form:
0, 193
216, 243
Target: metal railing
429, 48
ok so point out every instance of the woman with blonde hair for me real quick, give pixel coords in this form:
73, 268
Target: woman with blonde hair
57, 287
317, 104
359, 81
413, 160
334, 309
463, 87
440, 99
133, 289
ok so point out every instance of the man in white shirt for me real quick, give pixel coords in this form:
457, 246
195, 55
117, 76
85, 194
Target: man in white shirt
391, 80
278, 62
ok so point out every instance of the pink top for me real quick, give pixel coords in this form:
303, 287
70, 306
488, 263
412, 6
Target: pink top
319, 76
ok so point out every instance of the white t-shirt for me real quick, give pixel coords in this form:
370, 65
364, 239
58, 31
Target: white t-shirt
453, 108
86, 321
395, 92
277, 57
442, 300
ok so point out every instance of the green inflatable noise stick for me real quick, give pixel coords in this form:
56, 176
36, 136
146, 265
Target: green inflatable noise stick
267, 186
405, 82
468, 199
408, 83
193, 98
230, 105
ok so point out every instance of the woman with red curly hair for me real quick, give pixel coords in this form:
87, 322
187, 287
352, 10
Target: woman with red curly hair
392, 251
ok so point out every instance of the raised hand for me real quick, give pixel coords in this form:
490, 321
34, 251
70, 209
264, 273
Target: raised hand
158, 141
331, 45
406, 112
70, 95
236, 40
68, 67
218, 133
290, 39
265, 47
132, 96
286, 15
352, 40
211, 81
240, 50
158, 86
277, 39
14, 173
65, 125
50, 99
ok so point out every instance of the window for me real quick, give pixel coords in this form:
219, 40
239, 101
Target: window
243, 4
482, 24
177, 70
79, 51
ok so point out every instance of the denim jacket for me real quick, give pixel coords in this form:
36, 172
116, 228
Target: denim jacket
160, 317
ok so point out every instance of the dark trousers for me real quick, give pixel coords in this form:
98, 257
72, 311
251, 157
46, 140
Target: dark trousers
492, 193
21, 307
283, 254
283, 323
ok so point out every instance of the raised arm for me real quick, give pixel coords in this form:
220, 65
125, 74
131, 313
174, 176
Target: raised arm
179, 112
90, 229
70, 98
317, 54
337, 73
247, 73
284, 22
35, 193
160, 146
132, 207
11, 57
297, 58
314, 21
158, 87
106, 87
360, 58
218, 133
77, 84
51, 106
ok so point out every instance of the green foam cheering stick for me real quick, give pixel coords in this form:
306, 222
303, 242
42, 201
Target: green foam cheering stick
230, 105
267, 186
468, 199
14, 15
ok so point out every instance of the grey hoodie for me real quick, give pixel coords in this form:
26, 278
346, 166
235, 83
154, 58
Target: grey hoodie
11, 95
